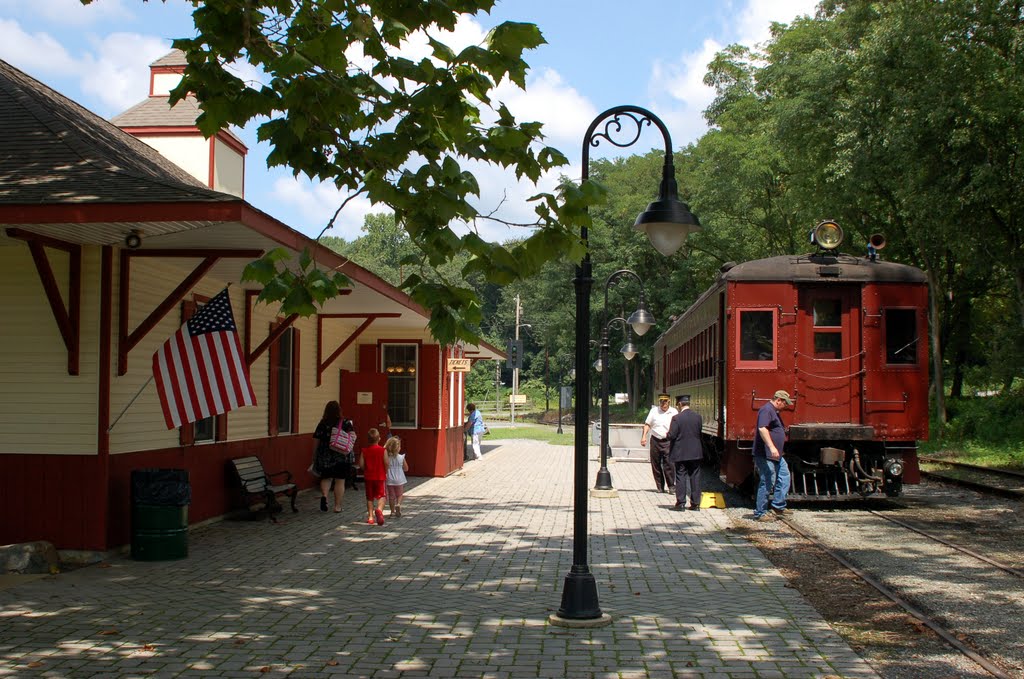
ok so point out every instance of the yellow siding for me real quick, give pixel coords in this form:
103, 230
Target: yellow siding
43, 409
228, 169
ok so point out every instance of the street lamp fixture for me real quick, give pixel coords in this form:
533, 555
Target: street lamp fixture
640, 321
580, 605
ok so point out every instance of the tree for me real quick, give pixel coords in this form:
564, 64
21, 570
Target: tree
342, 103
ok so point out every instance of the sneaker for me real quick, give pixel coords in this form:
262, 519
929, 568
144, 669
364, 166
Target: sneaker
764, 517
379, 515
677, 507
782, 512
370, 521
323, 504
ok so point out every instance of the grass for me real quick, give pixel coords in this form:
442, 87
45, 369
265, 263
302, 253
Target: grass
1003, 455
532, 432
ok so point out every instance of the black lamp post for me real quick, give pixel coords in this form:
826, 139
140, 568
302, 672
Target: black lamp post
667, 222
640, 321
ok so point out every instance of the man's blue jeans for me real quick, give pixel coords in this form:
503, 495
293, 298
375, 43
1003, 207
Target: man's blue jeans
774, 481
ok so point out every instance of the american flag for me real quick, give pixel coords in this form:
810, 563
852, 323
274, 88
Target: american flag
200, 370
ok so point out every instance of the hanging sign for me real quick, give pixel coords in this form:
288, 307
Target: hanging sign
459, 365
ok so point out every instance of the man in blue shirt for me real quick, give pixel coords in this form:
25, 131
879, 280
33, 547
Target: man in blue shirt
769, 441
475, 428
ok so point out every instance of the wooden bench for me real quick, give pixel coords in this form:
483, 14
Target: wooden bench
258, 486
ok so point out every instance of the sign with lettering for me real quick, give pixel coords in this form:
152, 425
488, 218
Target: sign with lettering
459, 365
517, 398
364, 398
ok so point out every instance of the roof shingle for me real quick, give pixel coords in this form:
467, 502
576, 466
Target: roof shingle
54, 151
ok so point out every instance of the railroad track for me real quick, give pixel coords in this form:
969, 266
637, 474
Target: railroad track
950, 637
1002, 482
1006, 568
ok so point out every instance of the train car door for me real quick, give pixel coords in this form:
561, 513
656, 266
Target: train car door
828, 354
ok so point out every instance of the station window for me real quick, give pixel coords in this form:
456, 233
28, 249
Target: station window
901, 336
284, 372
401, 366
757, 335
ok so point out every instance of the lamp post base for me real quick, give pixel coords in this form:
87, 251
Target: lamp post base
603, 492
589, 623
604, 477
579, 596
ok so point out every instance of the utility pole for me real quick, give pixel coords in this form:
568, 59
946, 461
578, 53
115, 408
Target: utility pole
515, 370
497, 387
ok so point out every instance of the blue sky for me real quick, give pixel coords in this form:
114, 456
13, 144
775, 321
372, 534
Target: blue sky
650, 53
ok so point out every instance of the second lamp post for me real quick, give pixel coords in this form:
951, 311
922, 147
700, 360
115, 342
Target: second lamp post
640, 321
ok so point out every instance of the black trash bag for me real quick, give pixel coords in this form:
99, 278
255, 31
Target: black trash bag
163, 487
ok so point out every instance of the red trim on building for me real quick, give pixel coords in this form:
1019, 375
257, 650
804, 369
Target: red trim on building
227, 211
236, 145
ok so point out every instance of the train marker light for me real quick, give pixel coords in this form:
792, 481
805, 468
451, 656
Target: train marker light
827, 235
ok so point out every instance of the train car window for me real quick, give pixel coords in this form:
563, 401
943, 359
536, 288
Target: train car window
828, 345
828, 313
757, 335
901, 336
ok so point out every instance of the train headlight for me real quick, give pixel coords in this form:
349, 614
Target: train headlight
827, 235
894, 468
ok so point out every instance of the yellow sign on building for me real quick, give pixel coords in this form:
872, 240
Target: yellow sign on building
459, 365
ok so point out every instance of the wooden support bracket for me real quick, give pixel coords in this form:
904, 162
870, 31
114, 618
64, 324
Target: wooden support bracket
321, 364
127, 341
69, 317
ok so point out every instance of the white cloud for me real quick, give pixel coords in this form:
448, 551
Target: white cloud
317, 202
682, 81
36, 53
550, 100
118, 73
115, 73
68, 12
755, 21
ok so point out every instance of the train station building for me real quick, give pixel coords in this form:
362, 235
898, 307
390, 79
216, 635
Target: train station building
112, 233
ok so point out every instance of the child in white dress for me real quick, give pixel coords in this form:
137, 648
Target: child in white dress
394, 460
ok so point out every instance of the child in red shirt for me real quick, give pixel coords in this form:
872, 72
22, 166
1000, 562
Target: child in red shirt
371, 460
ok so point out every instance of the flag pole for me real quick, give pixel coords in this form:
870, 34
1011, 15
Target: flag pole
134, 398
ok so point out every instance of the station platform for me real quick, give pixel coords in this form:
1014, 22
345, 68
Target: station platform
461, 586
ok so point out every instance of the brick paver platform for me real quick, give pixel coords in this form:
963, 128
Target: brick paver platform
461, 586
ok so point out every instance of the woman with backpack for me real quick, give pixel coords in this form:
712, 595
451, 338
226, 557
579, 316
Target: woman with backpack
334, 446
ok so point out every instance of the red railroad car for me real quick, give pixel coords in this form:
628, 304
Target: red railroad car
845, 336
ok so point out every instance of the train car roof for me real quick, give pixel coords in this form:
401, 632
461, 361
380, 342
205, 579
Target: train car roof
823, 267
808, 268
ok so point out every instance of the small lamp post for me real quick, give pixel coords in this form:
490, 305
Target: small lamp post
667, 222
640, 321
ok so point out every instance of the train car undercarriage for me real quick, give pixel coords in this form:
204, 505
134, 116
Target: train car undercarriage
831, 470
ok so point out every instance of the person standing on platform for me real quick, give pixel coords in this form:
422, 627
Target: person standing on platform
657, 423
769, 442
475, 429
686, 453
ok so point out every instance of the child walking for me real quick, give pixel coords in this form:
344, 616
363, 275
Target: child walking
397, 467
371, 460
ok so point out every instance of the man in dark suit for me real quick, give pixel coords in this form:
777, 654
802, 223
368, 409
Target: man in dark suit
686, 453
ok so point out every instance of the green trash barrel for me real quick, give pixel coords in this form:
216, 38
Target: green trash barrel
160, 499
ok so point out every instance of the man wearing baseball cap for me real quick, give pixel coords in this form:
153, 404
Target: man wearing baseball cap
769, 441
657, 423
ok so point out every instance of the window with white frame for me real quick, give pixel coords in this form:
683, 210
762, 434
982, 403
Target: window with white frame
400, 363
284, 368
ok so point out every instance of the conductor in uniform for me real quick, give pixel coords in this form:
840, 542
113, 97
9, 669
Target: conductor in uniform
686, 454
